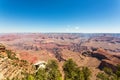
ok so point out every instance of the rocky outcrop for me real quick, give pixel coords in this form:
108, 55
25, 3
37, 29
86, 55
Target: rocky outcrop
109, 64
12, 67
107, 59
99, 56
77, 47
2, 48
57, 53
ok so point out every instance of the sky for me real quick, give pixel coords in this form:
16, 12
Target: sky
60, 16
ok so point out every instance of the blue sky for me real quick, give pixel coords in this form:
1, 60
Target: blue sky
83, 16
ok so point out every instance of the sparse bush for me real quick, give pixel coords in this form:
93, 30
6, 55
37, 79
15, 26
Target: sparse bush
103, 76
52, 70
109, 74
73, 72
86, 72
11, 54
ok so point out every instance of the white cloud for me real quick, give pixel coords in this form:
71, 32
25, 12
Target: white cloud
77, 28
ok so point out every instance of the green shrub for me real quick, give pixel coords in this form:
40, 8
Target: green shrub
73, 72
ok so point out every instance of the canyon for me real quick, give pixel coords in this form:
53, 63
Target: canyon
95, 51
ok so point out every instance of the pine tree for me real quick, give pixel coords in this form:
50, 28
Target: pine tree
71, 70
52, 70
